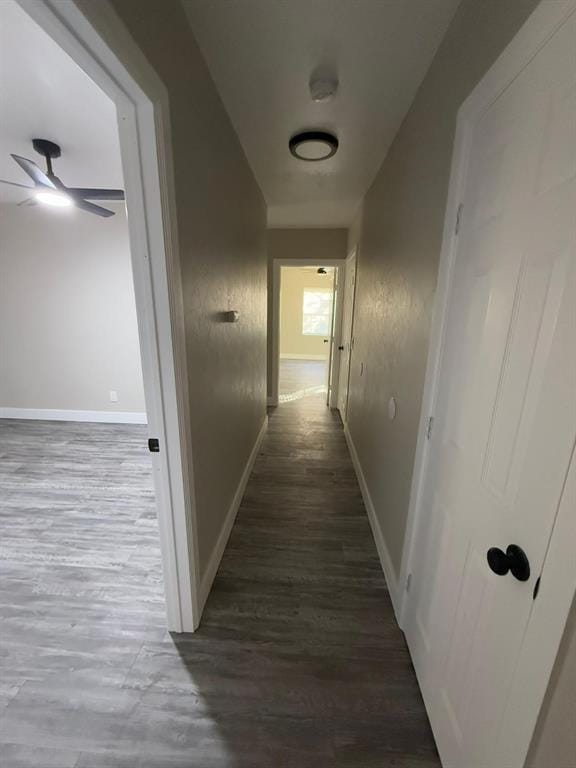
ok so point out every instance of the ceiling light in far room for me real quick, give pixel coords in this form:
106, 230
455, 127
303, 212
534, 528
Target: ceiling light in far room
323, 88
313, 146
53, 197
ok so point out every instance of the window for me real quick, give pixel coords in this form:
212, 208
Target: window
316, 312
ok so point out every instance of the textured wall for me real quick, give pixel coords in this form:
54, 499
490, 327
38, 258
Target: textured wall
221, 230
312, 244
68, 329
400, 235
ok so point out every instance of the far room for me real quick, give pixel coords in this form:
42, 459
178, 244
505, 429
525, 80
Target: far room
306, 321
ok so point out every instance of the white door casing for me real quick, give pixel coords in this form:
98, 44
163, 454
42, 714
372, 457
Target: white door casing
505, 413
346, 340
277, 265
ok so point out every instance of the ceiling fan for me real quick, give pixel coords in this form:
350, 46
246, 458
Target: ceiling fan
48, 188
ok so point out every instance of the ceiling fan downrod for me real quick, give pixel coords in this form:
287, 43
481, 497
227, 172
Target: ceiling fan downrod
49, 150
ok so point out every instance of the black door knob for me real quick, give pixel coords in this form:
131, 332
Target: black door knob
514, 560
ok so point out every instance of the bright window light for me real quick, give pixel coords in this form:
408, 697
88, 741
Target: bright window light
316, 311
53, 197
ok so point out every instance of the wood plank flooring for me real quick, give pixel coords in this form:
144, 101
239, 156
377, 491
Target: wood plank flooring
298, 661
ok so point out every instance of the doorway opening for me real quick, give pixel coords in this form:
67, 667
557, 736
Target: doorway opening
79, 504
306, 330
151, 261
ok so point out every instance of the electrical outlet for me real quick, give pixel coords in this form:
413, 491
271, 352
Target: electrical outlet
113, 396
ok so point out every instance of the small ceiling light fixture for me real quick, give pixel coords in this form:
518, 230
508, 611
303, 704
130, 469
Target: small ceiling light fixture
313, 146
53, 197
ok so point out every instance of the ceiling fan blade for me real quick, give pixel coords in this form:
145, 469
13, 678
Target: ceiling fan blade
91, 208
36, 174
14, 184
97, 194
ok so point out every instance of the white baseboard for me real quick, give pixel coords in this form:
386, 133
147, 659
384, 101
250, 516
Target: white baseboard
383, 553
50, 414
288, 356
220, 546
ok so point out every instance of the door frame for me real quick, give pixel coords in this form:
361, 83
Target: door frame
277, 265
558, 577
144, 131
353, 255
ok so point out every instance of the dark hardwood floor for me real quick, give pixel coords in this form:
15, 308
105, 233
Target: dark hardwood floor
298, 661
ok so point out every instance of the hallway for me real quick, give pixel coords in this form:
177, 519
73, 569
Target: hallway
287, 348
301, 605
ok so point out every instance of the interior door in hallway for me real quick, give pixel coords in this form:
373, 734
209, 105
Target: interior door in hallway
346, 342
505, 420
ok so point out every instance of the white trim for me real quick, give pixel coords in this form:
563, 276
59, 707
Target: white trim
143, 115
51, 414
548, 619
277, 264
220, 546
290, 356
379, 540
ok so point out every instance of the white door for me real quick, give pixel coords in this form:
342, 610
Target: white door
505, 420
346, 341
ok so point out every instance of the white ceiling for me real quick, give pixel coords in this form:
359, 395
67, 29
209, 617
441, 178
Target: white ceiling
44, 94
261, 54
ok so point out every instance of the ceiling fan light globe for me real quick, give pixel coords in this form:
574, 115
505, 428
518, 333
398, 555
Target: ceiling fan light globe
53, 197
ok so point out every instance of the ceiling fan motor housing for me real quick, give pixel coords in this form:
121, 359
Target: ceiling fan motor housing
47, 149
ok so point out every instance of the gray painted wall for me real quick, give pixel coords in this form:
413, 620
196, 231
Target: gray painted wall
311, 244
222, 242
400, 234
68, 329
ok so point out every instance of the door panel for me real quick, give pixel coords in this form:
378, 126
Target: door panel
506, 408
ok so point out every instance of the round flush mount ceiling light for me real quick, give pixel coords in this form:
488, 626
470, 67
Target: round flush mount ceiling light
313, 145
